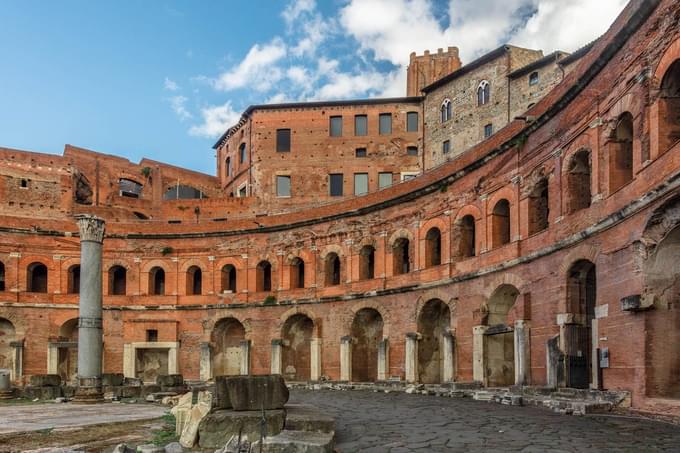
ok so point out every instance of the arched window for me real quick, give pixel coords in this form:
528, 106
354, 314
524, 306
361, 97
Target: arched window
73, 286
242, 153
446, 110
156, 281
400, 257
669, 108
500, 223
332, 270
263, 279
433, 247
2, 276
227, 166
578, 181
183, 192
483, 92
297, 273
117, 281
539, 208
467, 236
228, 279
367, 262
621, 153
194, 281
36, 277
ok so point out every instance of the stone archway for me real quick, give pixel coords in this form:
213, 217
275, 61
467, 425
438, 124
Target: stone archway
7, 336
67, 352
499, 338
297, 334
367, 333
434, 323
226, 350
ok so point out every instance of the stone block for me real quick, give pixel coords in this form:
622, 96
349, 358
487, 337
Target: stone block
244, 393
150, 448
45, 380
135, 382
296, 442
174, 447
112, 379
170, 380
219, 426
300, 417
149, 389
177, 389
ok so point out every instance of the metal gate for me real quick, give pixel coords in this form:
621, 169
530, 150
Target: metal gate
577, 356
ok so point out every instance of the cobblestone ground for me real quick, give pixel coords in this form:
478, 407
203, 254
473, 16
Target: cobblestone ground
399, 422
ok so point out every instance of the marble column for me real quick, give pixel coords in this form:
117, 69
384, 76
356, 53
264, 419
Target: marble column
17, 369
52, 358
522, 352
346, 358
205, 362
315, 365
449, 342
383, 359
277, 345
90, 335
411, 359
245, 357
478, 365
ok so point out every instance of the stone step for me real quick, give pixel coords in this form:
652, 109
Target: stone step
300, 417
296, 441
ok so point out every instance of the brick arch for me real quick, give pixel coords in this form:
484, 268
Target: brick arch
271, 258
367, 240
66, 265
671, 54
332, 248
60, 319
581, 252
449, 298
52, 270
303, 254
237, 262
316, 320
438, 222
503, 193
586, 140
209, 326
398, 234
167, 266
18, 321
109, 263
503, 278
352, 311
469, 209
193, 262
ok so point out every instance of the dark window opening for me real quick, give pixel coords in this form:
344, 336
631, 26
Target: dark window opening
156, 282
36, 278
117, 281
401, 259
335, 126
446, 110
360, 152
336, 182
500, 223
282, 140
129, 188
578, 181
2, 276
467, 236
412, 150
412, 122
228, 279
332, 270
446, 147
263, 279
360, 125
385, 123
367, 262
194, 281
488, 130
433, 247
73, 286
152, 335
621, 153
242, 153
183, 192
539, 207
533, 78
483, 93
297, 273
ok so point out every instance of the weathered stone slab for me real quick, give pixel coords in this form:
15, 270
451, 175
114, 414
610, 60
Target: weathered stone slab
219, 426
113, 379
45, 380
300, 417
170, 380
296, 442
251, 393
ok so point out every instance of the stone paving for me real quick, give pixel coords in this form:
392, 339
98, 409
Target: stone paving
33, 417
397, 422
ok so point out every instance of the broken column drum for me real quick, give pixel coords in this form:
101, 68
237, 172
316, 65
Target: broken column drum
90, 342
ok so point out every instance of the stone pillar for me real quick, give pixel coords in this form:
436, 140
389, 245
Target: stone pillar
173, 358
90, 338
245, 357
205, 363
346, 358
553, 362
52, 358
411, 359
277, 345
383, 359
478, 346
315, 365
17, 370
449, 343
522, 353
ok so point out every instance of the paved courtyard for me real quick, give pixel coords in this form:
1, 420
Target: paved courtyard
399, 422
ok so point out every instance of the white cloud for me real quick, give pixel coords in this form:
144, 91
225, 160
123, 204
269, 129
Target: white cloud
296, 8
257, 70
178, 105
170, 85
216, 120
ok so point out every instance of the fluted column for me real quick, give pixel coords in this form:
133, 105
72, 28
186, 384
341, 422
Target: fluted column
90, 338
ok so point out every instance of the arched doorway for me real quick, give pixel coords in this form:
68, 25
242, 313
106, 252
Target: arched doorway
7, 336
578, 342
296, 356
226, 347
434, 323
499, 338
367, 332
67, 359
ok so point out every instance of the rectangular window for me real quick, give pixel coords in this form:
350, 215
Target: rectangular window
243, 191
406, 175
533, 78
488, 130
412, 150
446, 147
335, 183
152, 335
282, 140
283, 186
384, 180
335, 126
242, 153
360, 152
385, 123
360, 125
360, 183
412, 122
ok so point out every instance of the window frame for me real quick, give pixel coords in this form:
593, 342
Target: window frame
330, 125
385, 173
446, 146
484, 88
356, 123
534, 78
359, 151
408, 123
283, 145
381, 130
488, 130
445, 110
290, 186
342, 184
355, 183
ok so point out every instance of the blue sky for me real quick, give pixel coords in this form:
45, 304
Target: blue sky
163, 79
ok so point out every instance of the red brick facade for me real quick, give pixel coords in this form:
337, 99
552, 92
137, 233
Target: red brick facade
524, 232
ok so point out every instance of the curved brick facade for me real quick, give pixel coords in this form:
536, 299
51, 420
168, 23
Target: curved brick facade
573, 249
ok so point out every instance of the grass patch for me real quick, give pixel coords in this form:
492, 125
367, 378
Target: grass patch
167, 434
23, 402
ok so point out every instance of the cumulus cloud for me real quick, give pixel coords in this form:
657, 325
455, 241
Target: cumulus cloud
257, 70
178, 105
216, 120
170, 85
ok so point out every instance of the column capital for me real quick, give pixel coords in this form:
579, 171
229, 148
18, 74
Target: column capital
91, 228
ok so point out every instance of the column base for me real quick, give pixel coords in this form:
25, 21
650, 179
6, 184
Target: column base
89, 391
6, 394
